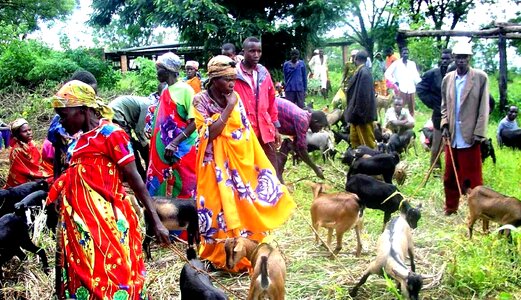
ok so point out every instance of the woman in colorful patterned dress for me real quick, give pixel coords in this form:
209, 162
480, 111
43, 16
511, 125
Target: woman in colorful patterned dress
171, 171
25, 159
238, 193
99, 234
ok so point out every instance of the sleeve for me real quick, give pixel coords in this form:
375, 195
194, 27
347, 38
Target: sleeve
119, 147
444, 119
416, 75
389, 73
286, 73
301, 128
389, 116
482, 121
272, 106
423, 89
304, 76
408, 116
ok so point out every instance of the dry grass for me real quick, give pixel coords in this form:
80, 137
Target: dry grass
441, 243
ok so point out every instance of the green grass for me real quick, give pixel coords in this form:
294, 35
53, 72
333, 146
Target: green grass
486, 267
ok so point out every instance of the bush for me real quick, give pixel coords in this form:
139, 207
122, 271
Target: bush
141, 82
56, 68
17, 60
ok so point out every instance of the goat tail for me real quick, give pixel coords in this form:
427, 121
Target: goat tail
466, 186
265, 281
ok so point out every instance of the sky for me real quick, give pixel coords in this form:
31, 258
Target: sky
81, 35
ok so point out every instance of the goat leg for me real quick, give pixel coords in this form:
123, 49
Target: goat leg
485, 226
354, 290
471, 221
329, 237
358, 228
339, 236
411, 257
28, 245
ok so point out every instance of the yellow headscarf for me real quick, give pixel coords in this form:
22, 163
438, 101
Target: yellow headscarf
220, 66
76, 94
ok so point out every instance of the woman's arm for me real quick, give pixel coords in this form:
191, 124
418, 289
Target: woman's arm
136, 184
172, 147
217, 127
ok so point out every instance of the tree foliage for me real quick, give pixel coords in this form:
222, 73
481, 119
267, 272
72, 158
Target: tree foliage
27, 13
281, 24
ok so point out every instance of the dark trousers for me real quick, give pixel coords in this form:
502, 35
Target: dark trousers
468, 167
435, 147
296, 97
408, 99
271, 153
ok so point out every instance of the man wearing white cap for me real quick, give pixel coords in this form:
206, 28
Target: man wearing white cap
319, 69
464, 119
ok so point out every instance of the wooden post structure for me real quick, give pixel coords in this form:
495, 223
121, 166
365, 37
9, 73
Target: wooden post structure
502, 32
124, 63
503, 72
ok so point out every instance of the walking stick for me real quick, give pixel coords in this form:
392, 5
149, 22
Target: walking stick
447, 141
426, 178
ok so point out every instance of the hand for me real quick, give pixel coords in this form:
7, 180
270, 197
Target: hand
478, 139
231, 99
162, 234
445, 132
148, 134
319, 173
278, 139
171, 149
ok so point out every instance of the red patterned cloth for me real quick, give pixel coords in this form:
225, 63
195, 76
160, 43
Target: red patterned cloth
26, 164
101, 244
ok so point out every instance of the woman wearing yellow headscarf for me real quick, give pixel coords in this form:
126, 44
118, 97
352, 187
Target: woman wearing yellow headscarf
100, 240
238, 193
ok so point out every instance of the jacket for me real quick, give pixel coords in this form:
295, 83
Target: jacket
361, 105
429, 92
260, 105
474, 105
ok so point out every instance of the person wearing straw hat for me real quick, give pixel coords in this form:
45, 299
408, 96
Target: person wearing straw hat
464, 119
25, 159
361, 104
101, 254
238, 193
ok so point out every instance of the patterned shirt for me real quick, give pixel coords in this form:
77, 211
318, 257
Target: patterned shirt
294, 122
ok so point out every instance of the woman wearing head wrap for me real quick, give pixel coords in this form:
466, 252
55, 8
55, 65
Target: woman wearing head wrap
25, 159
238, 193
171, 171
192, 77
101, 256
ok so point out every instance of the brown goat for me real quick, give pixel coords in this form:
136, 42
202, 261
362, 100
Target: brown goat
269, 269
338, 211
487, 204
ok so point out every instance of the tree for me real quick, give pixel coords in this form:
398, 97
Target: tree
27, 13
372, 21
280, 24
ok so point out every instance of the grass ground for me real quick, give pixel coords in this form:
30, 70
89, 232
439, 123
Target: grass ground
487, 267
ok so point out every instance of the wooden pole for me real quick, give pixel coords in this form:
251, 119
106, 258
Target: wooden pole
124, 63
503, 96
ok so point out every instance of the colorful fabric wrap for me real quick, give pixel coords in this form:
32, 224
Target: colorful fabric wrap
220, 66
193, 64
16, 124
76, 94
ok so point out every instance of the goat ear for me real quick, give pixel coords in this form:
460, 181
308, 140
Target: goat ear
238, 248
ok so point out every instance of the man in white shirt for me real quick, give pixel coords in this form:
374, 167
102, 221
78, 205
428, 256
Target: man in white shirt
319, 69
397, 119
404, 74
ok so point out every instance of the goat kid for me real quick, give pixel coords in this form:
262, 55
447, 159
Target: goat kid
489, 205
269, 269
394, 245
14, 235
175, 214
381, 164
487, 149
195, 285
338, 211
383, 196
322, 141
10, 196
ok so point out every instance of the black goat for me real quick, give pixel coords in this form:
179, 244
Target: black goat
381, 164
196, 285
487, 149
379, 195
352, 154
401, 142
10, 196
175, 214
14, 235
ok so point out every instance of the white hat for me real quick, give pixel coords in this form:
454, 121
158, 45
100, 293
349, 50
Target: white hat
354, 52
462, 48
316, 51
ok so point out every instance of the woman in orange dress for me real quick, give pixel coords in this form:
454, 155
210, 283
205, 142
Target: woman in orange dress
25, 159
100, 237
238, 193
192, 77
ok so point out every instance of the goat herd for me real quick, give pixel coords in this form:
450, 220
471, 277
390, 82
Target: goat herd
340, 211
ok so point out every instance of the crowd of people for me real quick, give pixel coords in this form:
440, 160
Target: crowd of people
219, 141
